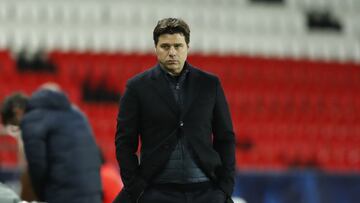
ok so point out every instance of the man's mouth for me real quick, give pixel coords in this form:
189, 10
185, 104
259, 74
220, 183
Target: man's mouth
171, 61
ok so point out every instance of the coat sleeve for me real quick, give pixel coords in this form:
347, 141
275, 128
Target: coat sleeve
34, 137
224, 141
127, 141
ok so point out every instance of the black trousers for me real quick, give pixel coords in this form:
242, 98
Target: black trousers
169, 194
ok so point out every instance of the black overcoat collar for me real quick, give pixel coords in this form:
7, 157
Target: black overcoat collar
161, 86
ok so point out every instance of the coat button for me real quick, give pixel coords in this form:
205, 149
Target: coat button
181, 124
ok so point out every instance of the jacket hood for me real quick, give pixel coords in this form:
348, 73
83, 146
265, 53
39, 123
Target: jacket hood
48, 99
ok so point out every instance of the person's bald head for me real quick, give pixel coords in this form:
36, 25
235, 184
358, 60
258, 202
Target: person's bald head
51, 86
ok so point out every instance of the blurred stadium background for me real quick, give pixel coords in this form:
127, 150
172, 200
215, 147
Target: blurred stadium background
290, 70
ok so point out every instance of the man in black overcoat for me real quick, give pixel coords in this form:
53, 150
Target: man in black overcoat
181, 117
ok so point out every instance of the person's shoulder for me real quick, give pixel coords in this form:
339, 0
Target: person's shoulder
34, 115
204, 74
140, 77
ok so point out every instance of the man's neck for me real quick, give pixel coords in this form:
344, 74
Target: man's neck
172, 73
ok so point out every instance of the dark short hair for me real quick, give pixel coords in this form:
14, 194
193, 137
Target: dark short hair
171, 26
15, 100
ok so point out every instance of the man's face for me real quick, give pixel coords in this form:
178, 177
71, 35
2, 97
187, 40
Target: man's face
13, 125
171, 51
19, 114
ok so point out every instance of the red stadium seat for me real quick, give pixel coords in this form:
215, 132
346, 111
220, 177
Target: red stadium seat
9, 152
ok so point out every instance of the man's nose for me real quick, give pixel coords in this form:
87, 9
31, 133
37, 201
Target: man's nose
172, 51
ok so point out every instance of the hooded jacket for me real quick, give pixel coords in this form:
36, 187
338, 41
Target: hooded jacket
63, 159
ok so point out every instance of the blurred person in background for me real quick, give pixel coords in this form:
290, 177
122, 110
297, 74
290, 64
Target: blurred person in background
14, 132
7, 195
62, 157
181, 115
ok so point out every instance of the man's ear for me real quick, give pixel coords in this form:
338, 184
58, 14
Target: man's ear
155, 49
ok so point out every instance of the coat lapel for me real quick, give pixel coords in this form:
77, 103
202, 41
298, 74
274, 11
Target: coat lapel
191, 89
162, 88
